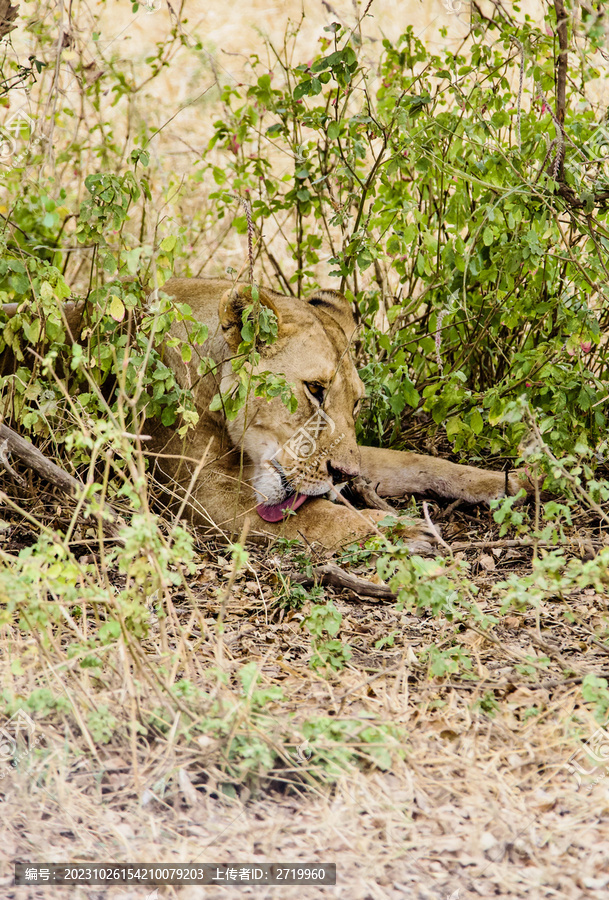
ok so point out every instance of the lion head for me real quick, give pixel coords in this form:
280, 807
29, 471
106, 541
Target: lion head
298, 455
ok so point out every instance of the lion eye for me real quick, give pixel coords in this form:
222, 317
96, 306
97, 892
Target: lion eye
317, 390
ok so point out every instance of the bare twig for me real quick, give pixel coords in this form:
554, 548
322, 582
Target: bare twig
523, 543
339, 497
434, 529
438, 340
561, 73
520, 87
247, 207
32, 457
232, 576
336, 577
443, 516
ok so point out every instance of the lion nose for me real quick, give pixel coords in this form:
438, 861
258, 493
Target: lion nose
342, 468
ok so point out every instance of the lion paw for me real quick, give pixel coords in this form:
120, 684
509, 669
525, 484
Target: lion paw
418, 536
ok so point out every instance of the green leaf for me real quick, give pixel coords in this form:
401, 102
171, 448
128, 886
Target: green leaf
168, 243
32, 330
302, 89
19, 283
476, 422
116, 308
496, 412
453, 426
410, 393
219, 175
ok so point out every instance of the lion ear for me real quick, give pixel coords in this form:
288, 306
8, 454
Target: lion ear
335, 305
230, 311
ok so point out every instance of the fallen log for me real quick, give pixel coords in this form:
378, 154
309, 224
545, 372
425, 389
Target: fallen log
335, 577
11, 442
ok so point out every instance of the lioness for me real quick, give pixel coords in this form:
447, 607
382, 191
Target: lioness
273, 466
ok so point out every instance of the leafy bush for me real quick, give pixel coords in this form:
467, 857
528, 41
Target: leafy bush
448, 214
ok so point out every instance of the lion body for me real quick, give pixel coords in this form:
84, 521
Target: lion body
267, 461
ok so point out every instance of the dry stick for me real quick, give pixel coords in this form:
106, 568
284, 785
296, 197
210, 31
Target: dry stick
489, 636
40, 526
135, 715
520, 87
71, 308
279, 271
560, 137
524, 543
433, 528
438, 339
590, 635
36, 460
193, 480
443, 516
233, 574
336, 577
561, 76
32, 457
4, 460
502, 685
555, 654
250, 234
362, 487
8, 14
336, 495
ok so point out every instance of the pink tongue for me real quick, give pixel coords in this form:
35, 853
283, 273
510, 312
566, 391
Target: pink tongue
275, 512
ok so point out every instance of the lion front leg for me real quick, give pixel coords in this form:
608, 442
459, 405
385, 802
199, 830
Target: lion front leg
332, 526
397, 473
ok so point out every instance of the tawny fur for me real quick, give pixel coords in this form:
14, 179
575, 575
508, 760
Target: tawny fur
236, 475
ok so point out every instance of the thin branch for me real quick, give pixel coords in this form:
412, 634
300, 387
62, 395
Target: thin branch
561, 75
336, 577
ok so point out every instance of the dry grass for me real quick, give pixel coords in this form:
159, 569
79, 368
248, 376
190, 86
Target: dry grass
473, 800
